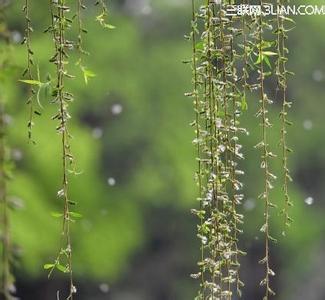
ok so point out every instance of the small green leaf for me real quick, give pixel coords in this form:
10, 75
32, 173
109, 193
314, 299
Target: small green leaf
32, 82
267, 61
259, 59
108, 26
269, 53
199, 46
48, 266
244, 105
61, 268
87, 73
101, 19
263, 58
56, 214
75, 214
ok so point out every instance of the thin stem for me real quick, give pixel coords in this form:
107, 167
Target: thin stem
213, 152
197, 129
227, 253
235, 156
79, 7
65, 142
265, 165
62, 98
281, 73
30, 64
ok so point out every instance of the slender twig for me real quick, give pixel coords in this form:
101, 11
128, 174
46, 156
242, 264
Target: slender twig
197, 129
65, 142
281, 73
62, 98
265, 164
28, 70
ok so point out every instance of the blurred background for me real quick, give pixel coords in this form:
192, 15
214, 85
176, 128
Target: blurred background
132, 142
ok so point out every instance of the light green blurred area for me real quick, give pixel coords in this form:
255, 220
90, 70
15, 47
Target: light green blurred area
147, 148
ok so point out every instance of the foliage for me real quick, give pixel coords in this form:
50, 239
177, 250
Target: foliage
220, 98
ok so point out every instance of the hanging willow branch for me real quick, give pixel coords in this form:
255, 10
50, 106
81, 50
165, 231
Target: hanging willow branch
202, 80
220, 98
266, 155
61, 97
238, 100
102, 17
228, 208
29, 69
81, 30
197, 126
79, 45
282, 72
60, 23
215, 82
215, 189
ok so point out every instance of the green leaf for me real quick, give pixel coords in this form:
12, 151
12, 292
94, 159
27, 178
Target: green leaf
108, 26
48, 266
269, 53
259, 59
101, 19
244, 105
87, 73
32, 82
75, 214
199, 46
262, 57
267, 61
61, 268
267, 44
56, 214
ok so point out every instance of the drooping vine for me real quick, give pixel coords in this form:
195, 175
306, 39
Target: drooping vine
29, 69
282, 73
79, 45
197, 125
266, 154
61, 97
222, 45
216, 102
102, 17
229, 150
62, 19
238, 106
81, 30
